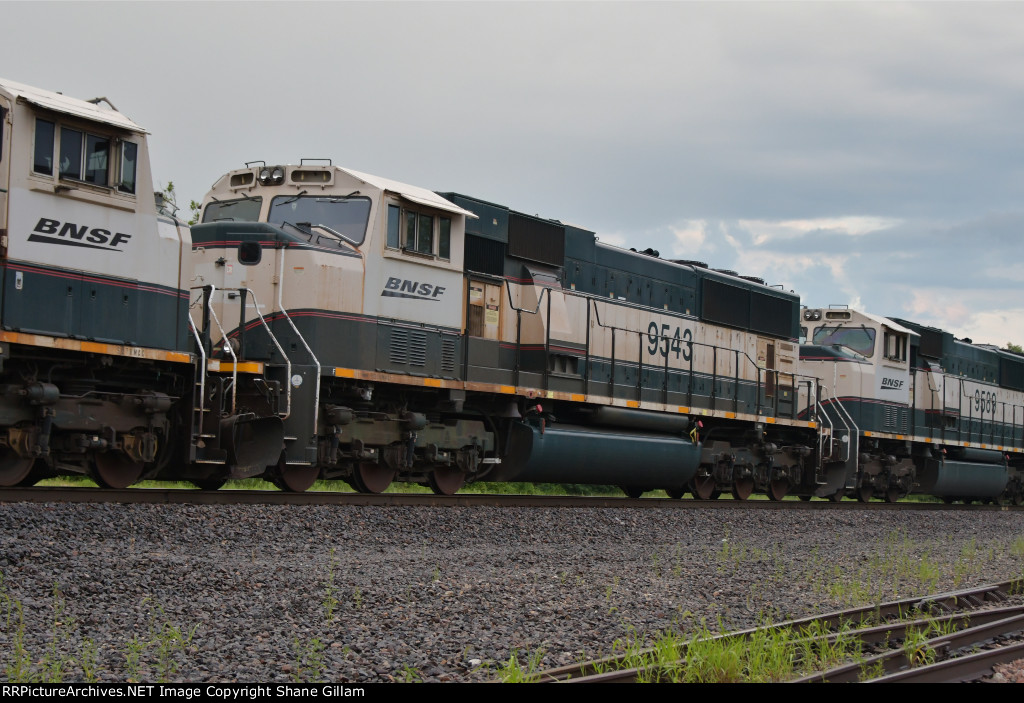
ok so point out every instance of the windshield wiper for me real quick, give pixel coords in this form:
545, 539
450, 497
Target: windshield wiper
333, 232
336, 199
292, 199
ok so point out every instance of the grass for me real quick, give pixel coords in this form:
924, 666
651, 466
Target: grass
257, 484
513, 671
165, 642
483, 487
769, 654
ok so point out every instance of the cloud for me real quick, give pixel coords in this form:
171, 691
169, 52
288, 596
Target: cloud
863, 152
689, 238
764, 231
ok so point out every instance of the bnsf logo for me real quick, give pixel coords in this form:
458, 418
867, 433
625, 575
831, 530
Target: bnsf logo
70, 234
893, 383
402, 288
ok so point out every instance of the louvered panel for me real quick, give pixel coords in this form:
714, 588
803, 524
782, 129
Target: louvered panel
448, 355
417, 349
889, 417
399, 350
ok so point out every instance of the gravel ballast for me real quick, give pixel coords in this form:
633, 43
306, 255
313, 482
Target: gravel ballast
368, 594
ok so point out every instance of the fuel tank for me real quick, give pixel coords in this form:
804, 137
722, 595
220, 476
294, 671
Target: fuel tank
579, 454
959, 478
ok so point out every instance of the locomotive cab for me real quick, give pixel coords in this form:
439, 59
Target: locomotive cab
91, 273
863, 361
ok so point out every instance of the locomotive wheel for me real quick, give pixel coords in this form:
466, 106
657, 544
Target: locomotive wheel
116, 470
742, 488
208, 484
445, 481
893, 494
1018, 498
864, 493
370, 477
805, 498
13, 468
777, 489
296, 479
632, 491
704, 488
837, 496
675, 492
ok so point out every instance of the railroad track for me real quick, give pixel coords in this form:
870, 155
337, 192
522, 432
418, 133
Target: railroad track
888, 642
273, 497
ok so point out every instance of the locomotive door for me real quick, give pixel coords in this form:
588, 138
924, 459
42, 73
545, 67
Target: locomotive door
483, 321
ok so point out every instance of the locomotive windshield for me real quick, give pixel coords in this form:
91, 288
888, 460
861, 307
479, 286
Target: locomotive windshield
243, 210
347, 215
858, 339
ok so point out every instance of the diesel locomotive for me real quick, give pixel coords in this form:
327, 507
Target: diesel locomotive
324, 323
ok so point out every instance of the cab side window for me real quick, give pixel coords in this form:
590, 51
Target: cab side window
84, 156
419, 232
43, 161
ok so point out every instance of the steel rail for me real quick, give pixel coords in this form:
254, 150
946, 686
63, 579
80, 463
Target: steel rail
979, 627
272, 496
968, 668
596, 671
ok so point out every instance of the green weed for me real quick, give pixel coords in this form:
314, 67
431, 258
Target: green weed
513, 671
309, 661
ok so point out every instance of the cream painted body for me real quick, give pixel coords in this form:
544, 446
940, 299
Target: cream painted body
312, 279
149, 254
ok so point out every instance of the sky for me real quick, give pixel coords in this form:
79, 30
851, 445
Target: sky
866, 154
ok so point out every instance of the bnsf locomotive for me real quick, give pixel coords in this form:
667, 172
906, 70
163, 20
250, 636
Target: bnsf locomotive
324, 323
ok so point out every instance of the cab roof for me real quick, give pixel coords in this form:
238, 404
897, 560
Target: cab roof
416, 194
69, 106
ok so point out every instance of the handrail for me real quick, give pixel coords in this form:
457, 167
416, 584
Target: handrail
287, 361
819, 416
590, 298
211, 289
227, 345
691, 344
843, 415
202, 366
981, 416
280, 306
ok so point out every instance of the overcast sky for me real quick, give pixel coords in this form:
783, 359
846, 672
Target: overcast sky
869, 154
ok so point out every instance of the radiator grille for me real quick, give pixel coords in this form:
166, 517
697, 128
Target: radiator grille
399, 347
448, 355
417, 349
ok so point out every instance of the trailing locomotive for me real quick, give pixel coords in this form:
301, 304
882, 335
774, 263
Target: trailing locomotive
455, 339
921, 411
325, 323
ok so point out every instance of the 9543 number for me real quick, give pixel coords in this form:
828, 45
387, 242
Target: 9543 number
665, 340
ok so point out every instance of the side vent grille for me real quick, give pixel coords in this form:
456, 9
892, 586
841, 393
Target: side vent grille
399, 347
417, 349
894, 419
448, 356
